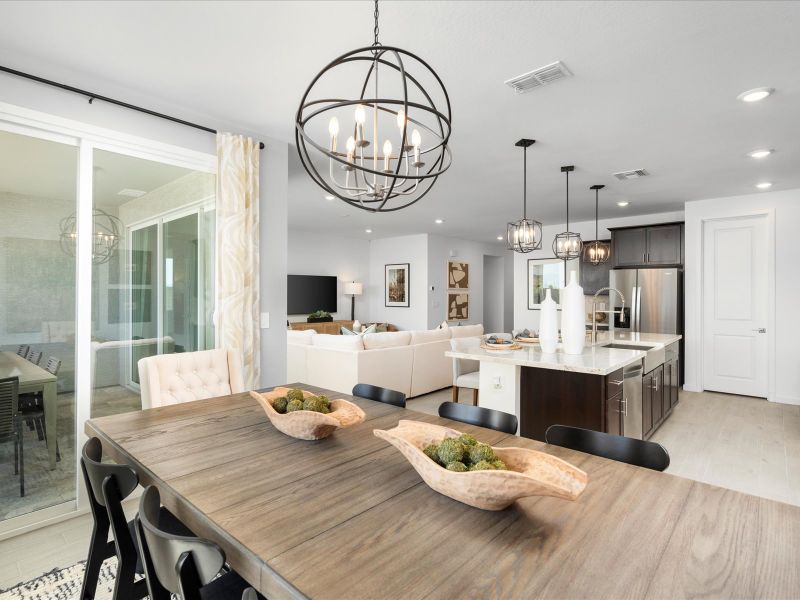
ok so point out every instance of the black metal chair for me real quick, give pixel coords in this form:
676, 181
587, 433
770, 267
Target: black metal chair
379, 394
11, 425
34, 357
32, 405
641, 453
22, 350
480, 416
186, 566
108, 485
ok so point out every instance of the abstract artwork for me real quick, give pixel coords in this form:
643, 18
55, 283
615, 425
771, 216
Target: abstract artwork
457, 307
457, 275
397, 292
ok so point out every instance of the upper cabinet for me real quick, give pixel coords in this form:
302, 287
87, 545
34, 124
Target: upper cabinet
647, 246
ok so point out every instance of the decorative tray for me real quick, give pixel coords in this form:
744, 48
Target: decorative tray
307, 424
530, 473
508, 346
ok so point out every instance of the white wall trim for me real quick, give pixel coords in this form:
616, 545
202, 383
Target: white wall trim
699, 276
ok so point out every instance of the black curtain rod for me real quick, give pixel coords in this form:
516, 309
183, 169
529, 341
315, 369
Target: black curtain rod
92, 97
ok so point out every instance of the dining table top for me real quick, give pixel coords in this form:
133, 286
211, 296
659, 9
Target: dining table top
14, 365
348, 517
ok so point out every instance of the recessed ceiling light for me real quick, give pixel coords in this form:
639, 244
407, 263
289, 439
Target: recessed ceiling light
439, 221
131, 193
368, 231
500, 238
764, 185
329, 197
760, 153
756, 94
623, 203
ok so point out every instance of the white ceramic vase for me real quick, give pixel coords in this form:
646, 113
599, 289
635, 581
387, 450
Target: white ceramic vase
573, 317
548, 324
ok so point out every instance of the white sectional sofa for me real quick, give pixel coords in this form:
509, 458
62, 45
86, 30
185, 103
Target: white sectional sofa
412, 362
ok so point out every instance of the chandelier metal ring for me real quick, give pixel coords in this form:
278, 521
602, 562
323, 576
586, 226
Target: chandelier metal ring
405, 175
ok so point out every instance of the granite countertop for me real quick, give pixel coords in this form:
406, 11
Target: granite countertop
594, 360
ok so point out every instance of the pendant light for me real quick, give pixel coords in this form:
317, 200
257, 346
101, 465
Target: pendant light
524, 235
388, 129
597, 252
567, 245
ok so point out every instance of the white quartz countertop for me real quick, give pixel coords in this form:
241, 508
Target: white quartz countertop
594, 360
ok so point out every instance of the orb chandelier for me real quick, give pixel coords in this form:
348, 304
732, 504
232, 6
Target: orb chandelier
105, 235
568, 244
596, 252
395, 121
524, 235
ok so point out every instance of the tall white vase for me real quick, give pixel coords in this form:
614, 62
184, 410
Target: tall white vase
573, 319
548, 324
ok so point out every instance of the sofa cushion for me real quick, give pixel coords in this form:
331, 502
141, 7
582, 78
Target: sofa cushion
467, 331
302, 338
373, 341
433, 335
338, 342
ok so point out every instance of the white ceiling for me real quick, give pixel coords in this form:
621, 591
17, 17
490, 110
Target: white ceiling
654, 86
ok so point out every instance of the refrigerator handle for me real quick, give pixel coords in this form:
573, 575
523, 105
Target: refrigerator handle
638, 309
632, 324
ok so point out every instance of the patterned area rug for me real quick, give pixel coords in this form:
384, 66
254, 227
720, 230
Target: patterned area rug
63, 584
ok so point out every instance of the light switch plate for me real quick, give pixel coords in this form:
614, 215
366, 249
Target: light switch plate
265, 320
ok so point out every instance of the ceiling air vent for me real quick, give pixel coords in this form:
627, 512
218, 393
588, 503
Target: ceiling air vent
634, 174
538, 77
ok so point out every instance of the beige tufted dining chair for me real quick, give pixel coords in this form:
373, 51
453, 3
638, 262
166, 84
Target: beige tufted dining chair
175, 378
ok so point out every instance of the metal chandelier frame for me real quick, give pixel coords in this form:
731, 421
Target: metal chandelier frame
525, 235
406, 177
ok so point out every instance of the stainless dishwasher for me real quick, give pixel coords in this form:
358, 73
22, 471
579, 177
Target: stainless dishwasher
632, 400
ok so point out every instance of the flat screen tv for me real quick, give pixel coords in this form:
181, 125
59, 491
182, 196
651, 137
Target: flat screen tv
309, 293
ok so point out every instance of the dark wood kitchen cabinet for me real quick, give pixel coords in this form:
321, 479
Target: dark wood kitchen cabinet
648, 246
549, 397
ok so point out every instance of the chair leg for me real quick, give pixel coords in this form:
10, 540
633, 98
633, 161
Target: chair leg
39, 428
98, 552
16, 453
474, 397
21, 461
455, 394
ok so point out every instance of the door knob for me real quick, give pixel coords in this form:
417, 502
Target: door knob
760, 330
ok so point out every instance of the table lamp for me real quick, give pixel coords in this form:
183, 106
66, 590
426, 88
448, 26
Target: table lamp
353, 289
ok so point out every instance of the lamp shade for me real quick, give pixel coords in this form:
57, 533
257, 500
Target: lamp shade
351, 288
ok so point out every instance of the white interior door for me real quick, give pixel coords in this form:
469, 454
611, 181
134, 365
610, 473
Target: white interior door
735, 295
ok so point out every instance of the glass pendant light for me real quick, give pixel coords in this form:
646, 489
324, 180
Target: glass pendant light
597, 252
524, 235
568, 244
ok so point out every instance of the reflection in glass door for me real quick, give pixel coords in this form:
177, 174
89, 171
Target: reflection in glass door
144, 295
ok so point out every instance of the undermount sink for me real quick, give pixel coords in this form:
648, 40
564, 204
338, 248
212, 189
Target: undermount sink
627, 346
653, 358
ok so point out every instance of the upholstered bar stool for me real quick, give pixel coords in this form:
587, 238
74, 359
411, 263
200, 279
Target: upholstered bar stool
186, 376
466, 373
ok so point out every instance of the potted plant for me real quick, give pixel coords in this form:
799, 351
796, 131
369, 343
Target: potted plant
320, 316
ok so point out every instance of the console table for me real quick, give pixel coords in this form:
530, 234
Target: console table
331, 327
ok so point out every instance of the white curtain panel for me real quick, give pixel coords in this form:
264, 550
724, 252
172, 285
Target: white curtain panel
237, 279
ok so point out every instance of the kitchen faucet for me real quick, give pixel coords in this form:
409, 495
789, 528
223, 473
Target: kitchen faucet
621, 311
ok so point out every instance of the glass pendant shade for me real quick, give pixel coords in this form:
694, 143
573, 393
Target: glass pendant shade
568, 245
596, 252
525, 235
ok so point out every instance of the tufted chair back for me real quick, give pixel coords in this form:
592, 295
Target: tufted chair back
175, 378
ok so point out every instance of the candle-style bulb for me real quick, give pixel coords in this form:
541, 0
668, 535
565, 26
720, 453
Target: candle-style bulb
387, 148
401, 118
416, 138
333, 127
361, 115
351, 144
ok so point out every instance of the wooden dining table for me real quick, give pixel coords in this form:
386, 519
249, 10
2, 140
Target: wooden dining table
33, 378
348, 518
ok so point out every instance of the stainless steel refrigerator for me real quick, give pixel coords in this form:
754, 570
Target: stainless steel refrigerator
653, 300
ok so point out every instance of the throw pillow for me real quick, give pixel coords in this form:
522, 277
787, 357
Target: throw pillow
346, 331
444, 325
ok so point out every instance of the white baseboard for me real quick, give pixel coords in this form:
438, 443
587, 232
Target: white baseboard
786, 399
691, 388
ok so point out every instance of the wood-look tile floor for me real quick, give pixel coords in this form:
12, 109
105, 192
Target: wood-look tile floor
735, 442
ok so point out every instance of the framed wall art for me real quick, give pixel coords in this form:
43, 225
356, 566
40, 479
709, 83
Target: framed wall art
457, 275
457, 306
397, 288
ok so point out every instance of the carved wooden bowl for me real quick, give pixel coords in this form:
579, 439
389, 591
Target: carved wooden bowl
307, 424
530, 473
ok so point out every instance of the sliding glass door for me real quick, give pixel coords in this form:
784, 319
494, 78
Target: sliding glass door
106, 257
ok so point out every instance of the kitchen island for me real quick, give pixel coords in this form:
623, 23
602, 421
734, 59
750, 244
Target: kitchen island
584, 390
